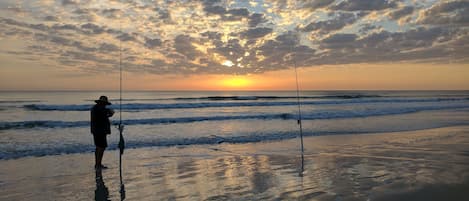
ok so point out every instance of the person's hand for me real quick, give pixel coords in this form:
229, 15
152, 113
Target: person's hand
111, 112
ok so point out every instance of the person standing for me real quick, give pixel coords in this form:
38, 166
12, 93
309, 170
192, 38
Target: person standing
100, 128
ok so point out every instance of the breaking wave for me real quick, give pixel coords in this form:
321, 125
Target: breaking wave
241, 98
186, 105
318, 114
168, 142
163, 142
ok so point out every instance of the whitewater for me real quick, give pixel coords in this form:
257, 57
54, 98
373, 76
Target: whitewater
52, 123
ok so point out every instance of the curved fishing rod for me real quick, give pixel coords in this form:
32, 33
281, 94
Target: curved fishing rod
121, 126
299, 108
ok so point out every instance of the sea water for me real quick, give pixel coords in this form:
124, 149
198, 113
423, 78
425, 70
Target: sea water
57, 122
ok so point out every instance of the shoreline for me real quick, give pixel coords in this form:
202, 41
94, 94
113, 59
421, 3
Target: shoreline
214, 140
346, 167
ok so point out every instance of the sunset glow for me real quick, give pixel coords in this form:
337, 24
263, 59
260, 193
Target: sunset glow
236, 82
228, 63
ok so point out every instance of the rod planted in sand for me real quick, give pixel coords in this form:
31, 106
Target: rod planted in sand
121, 127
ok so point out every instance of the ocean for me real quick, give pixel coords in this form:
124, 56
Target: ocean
45, 123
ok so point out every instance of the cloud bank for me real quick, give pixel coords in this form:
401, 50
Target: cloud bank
232, 37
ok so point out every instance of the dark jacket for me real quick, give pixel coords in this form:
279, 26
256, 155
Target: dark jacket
100, 124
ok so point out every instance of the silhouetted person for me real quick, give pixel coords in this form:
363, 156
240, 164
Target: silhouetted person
100, 128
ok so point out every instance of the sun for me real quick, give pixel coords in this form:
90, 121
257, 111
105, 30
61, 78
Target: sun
236, 82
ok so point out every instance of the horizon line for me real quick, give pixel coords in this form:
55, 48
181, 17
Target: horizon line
188, 90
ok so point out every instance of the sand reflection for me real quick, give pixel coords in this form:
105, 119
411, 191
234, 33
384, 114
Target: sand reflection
421, 165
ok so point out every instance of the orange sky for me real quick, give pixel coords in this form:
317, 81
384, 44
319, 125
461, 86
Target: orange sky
337, 77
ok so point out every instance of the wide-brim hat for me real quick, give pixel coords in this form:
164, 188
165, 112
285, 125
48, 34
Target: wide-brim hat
103, 99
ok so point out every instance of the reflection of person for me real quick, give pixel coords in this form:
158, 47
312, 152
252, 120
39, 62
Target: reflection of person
100, 128
101, 193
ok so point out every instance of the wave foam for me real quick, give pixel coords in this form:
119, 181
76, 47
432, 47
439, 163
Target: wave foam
317, 114
156, 106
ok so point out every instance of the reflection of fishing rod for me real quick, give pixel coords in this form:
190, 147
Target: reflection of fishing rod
121, 126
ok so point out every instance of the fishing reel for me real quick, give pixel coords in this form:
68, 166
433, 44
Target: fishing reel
120, 127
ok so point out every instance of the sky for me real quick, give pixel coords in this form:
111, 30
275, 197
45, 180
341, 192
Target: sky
234, 45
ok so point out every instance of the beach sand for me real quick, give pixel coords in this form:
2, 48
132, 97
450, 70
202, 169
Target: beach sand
418, 165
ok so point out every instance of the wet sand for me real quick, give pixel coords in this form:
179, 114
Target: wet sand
419, 165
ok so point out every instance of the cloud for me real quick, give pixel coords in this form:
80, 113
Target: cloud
256, 32
239, 12
90, 28
217, 10
256, 19
211, 35
282, 53
452, 12
234, 14
339, 41
163, 13
413, 45
364, 5
126, 37
255, 37
111, 12
70, 2
151, 43
365, 28
183, 45
83, 14
107, 47
337, 23
315, 4
50, 18
58, 27
60, 40
400, 13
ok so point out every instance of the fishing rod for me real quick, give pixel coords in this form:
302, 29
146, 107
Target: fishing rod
121, 126
299, 109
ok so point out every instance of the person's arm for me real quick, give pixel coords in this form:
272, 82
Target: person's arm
109, 112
